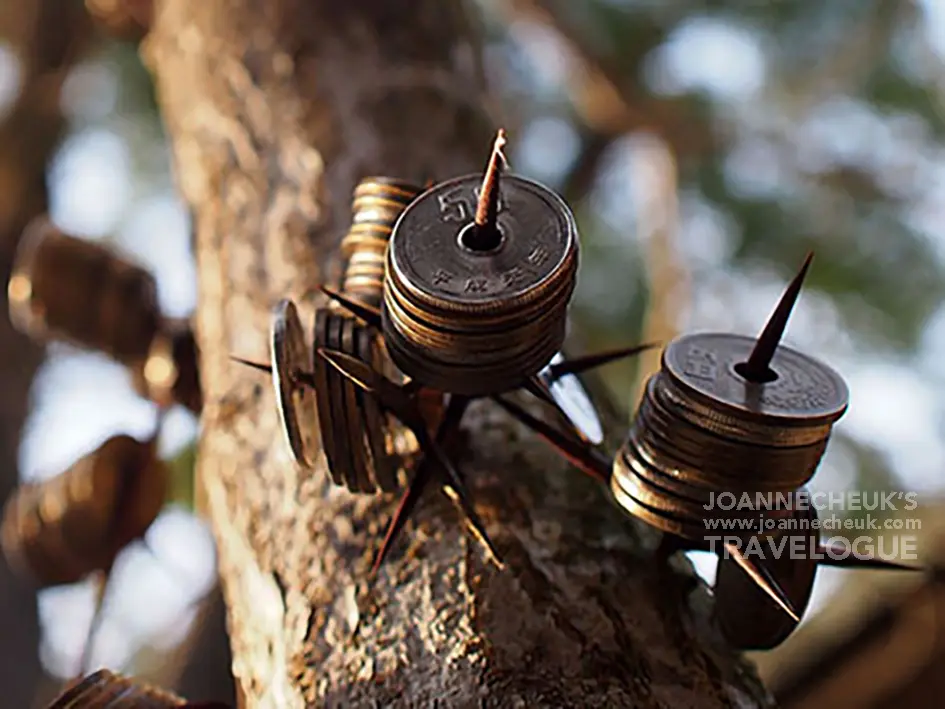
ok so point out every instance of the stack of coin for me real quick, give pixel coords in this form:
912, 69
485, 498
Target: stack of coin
704, 436
476, 318
74, 290
71, 289
106, 690
378, 203
359, 439
62, 529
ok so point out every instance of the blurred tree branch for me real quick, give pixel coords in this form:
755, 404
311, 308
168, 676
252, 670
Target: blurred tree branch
275, 110
46, 36
610, 99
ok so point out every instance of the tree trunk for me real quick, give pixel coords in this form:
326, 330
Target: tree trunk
275, 109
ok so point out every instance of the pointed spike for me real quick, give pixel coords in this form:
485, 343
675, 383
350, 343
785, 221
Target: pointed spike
367, 313
353, 368
839, 556
583, 364
764, 580
488, 205
405, 507
262, 367
388, 394
484, 234
756, 368
474, 523
588, 460
537, 388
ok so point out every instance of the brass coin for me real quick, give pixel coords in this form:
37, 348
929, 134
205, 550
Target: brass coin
295, 400
670, 397
806, 392
660, 520
323, 396
569, 394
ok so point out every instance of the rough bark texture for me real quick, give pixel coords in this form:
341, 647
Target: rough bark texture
45, 36
275, 109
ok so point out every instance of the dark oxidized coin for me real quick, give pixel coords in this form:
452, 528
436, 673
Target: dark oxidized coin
296, 401
429, 253
383, 463
806, 391
337, 409
326, 418
357, 442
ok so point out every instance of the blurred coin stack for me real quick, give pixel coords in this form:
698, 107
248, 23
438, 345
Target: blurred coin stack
70, 289
107, 690
704, 435
61, 529
378, 203
477, 315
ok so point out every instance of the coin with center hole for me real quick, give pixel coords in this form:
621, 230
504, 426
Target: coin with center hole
806, 391
291, 363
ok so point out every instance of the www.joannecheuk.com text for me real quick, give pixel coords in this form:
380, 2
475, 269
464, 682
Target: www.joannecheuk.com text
902, 548
851, 501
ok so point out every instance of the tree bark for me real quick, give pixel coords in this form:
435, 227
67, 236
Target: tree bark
275, 109
46, 38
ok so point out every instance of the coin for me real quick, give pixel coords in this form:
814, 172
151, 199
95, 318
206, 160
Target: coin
428, 254
478, 319
323, 397
383, 462
81, 292
296, 401
806, 391
569, 394
337, 413
357, 441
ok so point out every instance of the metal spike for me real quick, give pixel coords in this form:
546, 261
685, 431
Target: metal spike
537, 388
389, 395
455, 489
367, 313
847, 561
485, 234
408, 501
261, 366
306, 378
756, 368
453, 484
765, 581
454, 412
588, 460
583, 364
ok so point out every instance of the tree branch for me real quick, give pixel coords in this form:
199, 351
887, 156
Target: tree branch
275, 110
